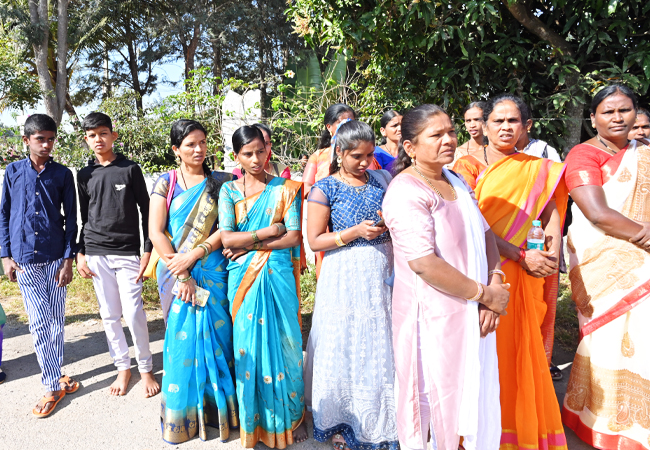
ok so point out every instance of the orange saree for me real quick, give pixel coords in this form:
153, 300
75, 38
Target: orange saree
511, 194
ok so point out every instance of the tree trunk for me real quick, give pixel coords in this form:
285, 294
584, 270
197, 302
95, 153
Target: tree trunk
106, 88
61, 59
575, 112
190, 52
133, 65
69, 108
217, 69
38, 15
262, 68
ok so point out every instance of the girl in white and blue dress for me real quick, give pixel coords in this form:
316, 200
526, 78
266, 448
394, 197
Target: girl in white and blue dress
349, 369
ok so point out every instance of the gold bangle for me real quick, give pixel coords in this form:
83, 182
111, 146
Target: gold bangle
500, 272
338, 239
205, 250
257, 245
207, 243
255, 238
478, 295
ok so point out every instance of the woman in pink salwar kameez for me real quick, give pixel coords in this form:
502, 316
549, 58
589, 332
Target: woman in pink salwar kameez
447, 295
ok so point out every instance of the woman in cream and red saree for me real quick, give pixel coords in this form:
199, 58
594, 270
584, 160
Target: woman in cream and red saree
513, 190
262, 214
607, 402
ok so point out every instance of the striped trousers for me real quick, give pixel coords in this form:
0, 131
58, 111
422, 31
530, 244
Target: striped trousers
45, 305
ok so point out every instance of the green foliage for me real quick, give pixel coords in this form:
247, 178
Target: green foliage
305, 94
18, 88
144, 134
451, 53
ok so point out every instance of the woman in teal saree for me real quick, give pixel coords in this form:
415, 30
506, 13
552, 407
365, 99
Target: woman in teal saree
261, 213
197, 387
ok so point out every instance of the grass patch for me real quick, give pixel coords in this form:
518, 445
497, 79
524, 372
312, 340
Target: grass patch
81, 303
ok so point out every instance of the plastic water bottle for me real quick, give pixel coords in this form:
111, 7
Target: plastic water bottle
536, 236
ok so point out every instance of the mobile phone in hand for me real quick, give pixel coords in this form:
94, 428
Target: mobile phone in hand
380, 223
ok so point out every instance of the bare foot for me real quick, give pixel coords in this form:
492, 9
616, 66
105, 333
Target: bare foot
300, 433
121, 382
151, 386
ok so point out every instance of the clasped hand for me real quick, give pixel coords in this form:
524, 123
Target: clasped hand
180, 262
540, 264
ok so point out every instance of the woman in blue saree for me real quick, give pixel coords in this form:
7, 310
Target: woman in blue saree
261, 213
197, 387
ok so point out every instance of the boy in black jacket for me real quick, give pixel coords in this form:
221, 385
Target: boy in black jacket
111, 189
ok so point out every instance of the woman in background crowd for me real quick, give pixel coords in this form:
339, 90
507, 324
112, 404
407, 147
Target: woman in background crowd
606, 403
350, 353
641, 128
390, 129
473, 117
262, 214
197, 387
318, 166
273, 168
448, 293
513, 189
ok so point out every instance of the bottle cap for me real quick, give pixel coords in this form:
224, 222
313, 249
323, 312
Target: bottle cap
537, 223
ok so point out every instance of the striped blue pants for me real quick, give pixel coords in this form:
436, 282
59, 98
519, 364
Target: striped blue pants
45, 305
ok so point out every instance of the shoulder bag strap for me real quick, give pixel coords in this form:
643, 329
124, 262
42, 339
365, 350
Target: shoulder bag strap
172, 185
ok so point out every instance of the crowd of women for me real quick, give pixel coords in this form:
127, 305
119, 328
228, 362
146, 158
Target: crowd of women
433, 322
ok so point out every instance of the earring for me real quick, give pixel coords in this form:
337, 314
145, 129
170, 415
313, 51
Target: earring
338, 160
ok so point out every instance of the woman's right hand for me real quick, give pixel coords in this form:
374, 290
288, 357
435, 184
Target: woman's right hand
186, 291
496, 297
539, 263
367, 231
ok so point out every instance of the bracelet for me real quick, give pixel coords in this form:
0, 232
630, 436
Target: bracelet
211, 248
184, 280
257, 245
281, 228
338, 239
205, 250
500, 272
478, 295
522, 255
255, 238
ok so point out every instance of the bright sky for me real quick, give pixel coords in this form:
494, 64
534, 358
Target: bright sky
171, 71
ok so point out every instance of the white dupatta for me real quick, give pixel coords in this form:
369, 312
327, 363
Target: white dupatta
480, 411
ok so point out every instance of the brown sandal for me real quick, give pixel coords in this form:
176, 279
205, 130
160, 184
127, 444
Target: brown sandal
68, 385
47, 400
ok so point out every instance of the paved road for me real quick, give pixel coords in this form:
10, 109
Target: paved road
90, 418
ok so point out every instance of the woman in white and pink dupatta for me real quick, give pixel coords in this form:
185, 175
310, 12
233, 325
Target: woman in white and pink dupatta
448, 293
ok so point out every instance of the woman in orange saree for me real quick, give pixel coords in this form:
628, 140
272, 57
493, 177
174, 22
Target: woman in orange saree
607, 402
513, 190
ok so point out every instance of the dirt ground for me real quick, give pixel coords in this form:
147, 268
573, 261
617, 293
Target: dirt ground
92, 419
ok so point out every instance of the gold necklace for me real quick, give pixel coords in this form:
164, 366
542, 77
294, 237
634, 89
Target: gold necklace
359, 189
453, 191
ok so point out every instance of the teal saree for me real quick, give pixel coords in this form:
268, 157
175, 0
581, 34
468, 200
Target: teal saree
264, 292
197, 387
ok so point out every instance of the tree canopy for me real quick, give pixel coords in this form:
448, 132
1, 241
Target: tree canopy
554, 53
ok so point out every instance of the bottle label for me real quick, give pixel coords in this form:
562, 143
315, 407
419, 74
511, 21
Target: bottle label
536, 245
